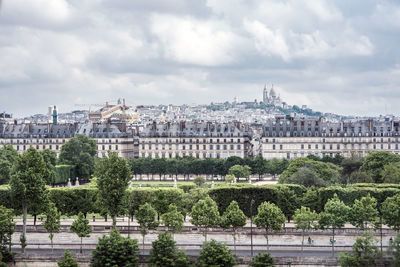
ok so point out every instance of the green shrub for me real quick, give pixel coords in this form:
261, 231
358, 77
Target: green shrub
63, 173
187, 187
262, 260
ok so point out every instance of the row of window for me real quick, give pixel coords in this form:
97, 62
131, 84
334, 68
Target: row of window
341, 140
337, 146
197, 140
190, 147
196, 155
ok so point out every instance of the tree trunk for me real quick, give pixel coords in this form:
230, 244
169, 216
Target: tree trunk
234, 240
51, 241
302, 242
81, 244
143, 244
34, 219
114, 221
25, 214
205, 234
266, 236
333, 242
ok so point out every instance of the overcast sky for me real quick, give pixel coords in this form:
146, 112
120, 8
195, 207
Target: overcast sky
335, 56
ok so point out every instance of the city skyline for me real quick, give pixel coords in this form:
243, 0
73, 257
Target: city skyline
332, 56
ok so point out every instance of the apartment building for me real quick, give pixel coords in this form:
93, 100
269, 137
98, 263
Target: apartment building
291, 137
196, 139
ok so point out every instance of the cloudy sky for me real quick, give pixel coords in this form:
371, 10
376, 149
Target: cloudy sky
335, 56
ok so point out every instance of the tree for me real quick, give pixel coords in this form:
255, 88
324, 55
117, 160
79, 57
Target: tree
146, 216
164, 252
262, 260
364, 253
191, 198
270, 217
328, 172
391, 212
199, 180
81, 227
7, 227
394, 250
50, 159
115, 250
68, 260
173, 219
240, 171
306, 176
350, 165
391, 173
52, 223
306, 220
335, 215
8, 155
310, 199
216, 254
287, 201
80, 151
205, 214
376, 161
364, 211
113, 176
234, 218
27, 184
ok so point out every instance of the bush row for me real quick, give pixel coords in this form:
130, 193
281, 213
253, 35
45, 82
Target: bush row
71, 201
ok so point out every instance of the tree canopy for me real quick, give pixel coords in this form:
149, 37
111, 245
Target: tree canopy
375, 162
80, 151
113, 176
8, 155
205, 214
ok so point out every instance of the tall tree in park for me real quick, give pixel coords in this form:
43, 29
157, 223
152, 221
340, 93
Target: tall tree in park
391, 212
364, 253
81, 227
205, 214
164, 252
233, 218
173, 219
191, 198
375, 162
146, 216
391, 173
115, 250
80, 151
306, 176
335, 215
50, 159
328, 172
7, 227
52, 223
113, 175
287, 201
8, 155
27, 184
306, 220
240, 171
270, 217
216, 254
260, 166
364, 211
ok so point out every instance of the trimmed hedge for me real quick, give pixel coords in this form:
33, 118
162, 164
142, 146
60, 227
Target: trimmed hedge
243, 194
63, 173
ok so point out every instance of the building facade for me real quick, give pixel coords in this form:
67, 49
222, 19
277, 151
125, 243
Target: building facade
199, 140
291, 137
108, 137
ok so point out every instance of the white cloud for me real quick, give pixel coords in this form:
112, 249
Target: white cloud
191, 41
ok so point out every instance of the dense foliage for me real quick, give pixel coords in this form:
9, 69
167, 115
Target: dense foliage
165, 253
216, 254
115, 250
80, 151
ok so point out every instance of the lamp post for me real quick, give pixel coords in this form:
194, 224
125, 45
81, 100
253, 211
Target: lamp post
251, 225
